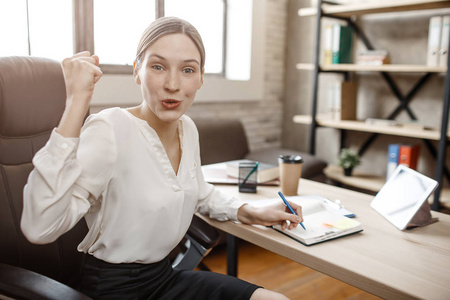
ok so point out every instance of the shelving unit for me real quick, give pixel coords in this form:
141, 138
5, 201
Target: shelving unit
346, 12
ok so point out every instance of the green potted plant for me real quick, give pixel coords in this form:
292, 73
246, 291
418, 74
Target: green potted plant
348, 159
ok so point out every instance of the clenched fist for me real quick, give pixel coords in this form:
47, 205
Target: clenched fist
81, 73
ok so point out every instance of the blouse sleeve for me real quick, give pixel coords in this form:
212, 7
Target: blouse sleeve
216, 204
69, 175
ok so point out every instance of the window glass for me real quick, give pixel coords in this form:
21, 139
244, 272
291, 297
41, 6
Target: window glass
239, 39
208, 17
118, 26
13, 28
51, 33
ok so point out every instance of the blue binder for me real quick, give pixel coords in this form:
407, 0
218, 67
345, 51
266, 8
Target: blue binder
393, 155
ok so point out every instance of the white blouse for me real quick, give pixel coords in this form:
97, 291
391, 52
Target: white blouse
118, 176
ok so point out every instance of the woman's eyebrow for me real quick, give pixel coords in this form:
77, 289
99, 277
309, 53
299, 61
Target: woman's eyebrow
157, 56
190, 60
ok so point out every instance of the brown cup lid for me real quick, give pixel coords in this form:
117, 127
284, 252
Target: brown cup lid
290, 159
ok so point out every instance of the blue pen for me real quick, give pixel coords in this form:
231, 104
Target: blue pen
290, 207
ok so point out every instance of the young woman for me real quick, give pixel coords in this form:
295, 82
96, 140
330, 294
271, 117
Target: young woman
134, 174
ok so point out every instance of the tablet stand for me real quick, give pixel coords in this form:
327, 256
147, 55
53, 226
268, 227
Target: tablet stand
422, 217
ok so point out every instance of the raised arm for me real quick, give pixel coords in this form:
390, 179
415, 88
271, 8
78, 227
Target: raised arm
81, 73
70, 171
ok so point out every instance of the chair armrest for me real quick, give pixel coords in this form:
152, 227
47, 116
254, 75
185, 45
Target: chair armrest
20, 283
203, 233
200, 239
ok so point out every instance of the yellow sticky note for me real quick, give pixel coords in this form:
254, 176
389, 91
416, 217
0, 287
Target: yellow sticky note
344, 223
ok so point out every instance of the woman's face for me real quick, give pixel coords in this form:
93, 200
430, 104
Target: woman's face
170, 76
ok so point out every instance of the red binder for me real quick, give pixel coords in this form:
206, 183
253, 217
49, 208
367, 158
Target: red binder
409, 155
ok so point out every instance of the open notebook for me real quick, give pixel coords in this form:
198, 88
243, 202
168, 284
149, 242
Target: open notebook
322, 219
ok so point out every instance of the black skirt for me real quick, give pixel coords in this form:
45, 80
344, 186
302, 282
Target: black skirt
103, 280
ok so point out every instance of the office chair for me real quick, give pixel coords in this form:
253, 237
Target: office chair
32, 100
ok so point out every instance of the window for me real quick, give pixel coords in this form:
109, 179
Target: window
210, 26
232, 31
12, 16
118, 26
225, 30
239, 39
30, 27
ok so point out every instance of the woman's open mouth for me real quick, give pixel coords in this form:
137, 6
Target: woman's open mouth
170, 103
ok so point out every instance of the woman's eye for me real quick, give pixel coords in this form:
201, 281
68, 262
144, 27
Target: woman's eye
188, 70
157, 67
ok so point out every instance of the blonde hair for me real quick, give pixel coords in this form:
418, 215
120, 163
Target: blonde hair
164, 26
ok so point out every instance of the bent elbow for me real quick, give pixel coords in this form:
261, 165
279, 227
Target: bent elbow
34, 235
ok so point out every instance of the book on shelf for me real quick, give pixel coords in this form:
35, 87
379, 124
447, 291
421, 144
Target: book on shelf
409, 156
323, 219
392, 163
445, 34
342, 100
348, 100
328, 50
434, 40
342, 44
266, 172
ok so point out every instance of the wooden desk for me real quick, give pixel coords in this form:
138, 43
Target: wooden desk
381, 260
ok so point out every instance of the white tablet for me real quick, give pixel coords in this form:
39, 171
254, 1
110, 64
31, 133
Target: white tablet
402, 196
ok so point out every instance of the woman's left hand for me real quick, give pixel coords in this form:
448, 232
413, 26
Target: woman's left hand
271, 215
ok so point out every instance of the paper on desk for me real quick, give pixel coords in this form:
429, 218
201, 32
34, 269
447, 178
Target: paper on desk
309, 203
321, 226
324, 220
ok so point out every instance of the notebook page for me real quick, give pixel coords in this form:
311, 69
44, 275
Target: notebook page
322, 223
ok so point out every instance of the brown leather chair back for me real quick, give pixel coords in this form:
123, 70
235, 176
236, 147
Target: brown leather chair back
221, 139
32, 100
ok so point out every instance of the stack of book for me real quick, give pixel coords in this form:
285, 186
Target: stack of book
266, 172
400, 154
228, 172
438, 40
373, 57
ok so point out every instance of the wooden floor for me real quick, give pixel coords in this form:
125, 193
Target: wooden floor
280, 274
